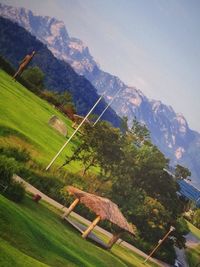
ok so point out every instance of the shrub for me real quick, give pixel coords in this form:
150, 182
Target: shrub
50, 96
8, 166
6, 66
15, 191
34, 76
196, 218
21, 155
47, 183
11, 189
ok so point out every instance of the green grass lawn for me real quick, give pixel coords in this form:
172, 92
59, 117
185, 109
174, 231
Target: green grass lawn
33, 235
26, 117
194, 230
193, 254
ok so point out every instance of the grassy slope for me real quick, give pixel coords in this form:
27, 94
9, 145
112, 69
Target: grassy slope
27, 117
33, 235
194, 230
193, 254
26, 113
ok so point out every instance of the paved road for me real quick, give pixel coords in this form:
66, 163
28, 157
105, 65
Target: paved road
54, 203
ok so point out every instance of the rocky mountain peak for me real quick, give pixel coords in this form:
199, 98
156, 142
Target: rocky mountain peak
53, 33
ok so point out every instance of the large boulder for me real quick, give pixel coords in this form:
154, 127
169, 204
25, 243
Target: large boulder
58, 124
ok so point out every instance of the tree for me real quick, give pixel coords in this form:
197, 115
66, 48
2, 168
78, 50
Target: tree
196, 218
140, 132
66, 104
64, 98
100, 147
124, 124
35, 76
139, 184
182, 172
152, 219
51, 97
146, 193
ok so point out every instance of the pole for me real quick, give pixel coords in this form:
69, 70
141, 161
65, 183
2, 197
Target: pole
107, 107
71, 207
91, 227
52, 161
159, 243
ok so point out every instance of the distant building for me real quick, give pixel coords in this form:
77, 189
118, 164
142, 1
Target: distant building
189, 191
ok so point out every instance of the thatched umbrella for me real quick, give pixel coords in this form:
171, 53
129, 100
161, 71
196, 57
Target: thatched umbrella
104, 208
78, 119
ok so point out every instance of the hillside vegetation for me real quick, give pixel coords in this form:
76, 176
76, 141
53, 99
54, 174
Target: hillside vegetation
16, 42
130, 168
24, 122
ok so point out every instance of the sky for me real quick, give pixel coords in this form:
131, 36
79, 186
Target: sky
151, 44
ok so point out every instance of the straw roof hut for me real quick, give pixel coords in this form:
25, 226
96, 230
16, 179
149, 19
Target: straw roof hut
102, 207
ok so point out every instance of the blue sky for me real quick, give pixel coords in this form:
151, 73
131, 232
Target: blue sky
151, 44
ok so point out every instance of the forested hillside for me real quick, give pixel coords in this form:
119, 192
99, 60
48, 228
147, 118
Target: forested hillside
59, 76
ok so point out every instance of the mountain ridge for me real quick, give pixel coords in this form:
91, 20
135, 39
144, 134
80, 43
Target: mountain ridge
169, 130
59, 75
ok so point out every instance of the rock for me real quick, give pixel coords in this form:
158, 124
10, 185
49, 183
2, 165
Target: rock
58, 124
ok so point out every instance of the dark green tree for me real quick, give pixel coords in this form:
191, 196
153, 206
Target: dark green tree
182, 172
196, 218
140, 132
35, 76
124, 124
100, 147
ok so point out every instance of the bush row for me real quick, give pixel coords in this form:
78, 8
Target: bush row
8, 187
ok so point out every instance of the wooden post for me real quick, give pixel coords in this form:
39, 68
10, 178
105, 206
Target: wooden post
114, 239
91, 227
74, 125
71, 207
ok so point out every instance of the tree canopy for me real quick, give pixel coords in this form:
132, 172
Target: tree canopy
139, 184
35, 76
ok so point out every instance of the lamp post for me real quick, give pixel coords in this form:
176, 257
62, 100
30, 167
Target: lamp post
159, 243
55, 157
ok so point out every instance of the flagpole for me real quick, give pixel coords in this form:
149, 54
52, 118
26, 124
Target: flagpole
55, 157
107, 107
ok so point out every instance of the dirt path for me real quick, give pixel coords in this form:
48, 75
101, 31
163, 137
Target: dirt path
59, 206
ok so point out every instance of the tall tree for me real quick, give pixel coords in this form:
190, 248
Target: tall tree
140, 132
100, 147
35, 76
182, 172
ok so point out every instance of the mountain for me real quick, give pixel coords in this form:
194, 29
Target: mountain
16, 42
169, 130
